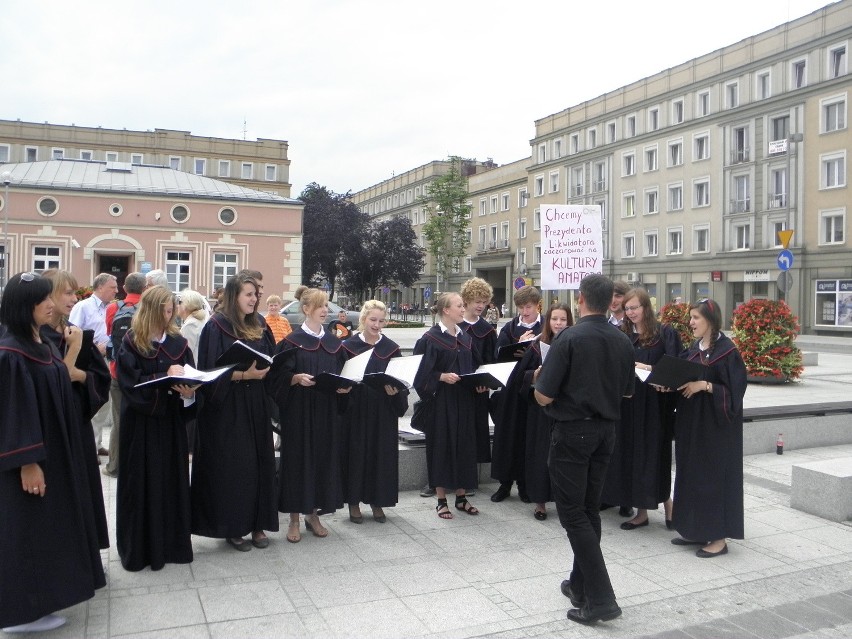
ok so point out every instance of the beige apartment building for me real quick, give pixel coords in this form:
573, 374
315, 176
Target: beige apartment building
261, 165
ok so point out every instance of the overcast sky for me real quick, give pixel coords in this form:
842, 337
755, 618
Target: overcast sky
360, 90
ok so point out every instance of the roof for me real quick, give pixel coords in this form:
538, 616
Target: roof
120, 177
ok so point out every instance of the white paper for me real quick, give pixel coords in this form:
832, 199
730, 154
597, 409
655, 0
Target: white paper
544, 349
501, 371
404, 368
355, 368
642, 374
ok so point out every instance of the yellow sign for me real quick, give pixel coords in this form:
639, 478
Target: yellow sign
785, 236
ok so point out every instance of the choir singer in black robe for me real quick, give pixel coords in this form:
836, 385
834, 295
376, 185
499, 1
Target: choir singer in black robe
152, 523
708, 493
451, 436
233, 466
370, 441
49, 558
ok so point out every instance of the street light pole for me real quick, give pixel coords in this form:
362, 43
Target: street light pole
7, 179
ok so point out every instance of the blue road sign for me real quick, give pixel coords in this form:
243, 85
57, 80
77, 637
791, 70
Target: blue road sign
427, 293
785, 260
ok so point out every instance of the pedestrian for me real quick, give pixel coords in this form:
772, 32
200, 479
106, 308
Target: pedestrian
277, 323
588, 369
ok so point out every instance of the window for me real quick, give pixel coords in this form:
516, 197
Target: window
542, 153
741, 202
780, 127
523, 196
610, 133
775, 228
798, 73
577, 180
628, 163
47, 206
742, 237
199, 166
57, 154
493, 204
84, 155
111, 156
599, 178
832, 226
522, 257
700, 239
653, 119
675, 153
702, 193
522, 228
676, 197
224, 168
31, 154
628, 205
271, 173
575, 143
483, 235
504, 235
651, 159
651, 243
539, 185
652, 202
732, 95
537, 254
224, 268
701, 149
179, 213
504, 202
247, 171
837, 61
630, 126
45, 257
593, 138
468, 263
4, 152
764, 87
227, 215
739, 145
554, 182
136, 158
675, 241
557, 148
628, 245
833, 114
174, 163
537, 220
777, 188
677, 111
177, 269
833, 170
703, 103
483, 206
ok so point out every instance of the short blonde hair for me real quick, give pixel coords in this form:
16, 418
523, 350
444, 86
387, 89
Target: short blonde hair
475, 289
273, 299
313, 298
370, 305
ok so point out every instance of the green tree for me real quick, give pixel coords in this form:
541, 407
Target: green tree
448, 219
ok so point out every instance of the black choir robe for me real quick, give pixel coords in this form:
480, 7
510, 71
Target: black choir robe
233, 465
484, 348
640, 469
370, 446
708, 493
512, 331
152, 521
311, 424
49, 556
89, 397
451, 440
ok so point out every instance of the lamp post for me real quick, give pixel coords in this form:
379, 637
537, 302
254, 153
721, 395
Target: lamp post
793, 140
7, 179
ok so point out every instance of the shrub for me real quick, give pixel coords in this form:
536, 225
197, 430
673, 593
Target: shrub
765, 333
676, 314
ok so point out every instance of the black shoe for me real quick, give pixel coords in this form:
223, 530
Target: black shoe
669, 524
524, 497
588, 615
541, 515
626, 511
501, 493
565, 587
428, 491
629, 525
706, 554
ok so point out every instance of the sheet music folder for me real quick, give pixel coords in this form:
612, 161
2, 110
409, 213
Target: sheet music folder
673, 372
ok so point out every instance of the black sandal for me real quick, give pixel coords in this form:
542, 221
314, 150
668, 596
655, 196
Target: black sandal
463, 504
443, 510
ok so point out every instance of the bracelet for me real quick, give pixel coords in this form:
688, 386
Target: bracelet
708, 387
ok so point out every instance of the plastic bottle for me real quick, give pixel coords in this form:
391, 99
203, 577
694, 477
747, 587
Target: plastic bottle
779, 444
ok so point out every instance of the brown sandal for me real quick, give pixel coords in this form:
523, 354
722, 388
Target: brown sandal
443, 510
463, 504
294, 536
316, 528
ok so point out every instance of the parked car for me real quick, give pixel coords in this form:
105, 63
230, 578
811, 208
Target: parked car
293, 312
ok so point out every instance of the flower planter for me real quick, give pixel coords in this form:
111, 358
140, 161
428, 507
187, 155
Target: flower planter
762, 379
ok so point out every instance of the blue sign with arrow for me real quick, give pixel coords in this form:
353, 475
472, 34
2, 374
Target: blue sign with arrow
785, 260
427, 293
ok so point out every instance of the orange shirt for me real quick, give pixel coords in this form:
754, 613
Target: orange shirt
279, 326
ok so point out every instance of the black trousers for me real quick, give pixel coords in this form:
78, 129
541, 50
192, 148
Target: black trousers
579, 456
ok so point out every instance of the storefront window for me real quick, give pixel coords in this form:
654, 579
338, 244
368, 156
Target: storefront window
833, 303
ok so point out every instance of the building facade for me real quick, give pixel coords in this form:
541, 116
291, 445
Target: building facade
89, 217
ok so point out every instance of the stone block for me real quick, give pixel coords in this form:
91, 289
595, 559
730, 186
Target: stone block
823, 488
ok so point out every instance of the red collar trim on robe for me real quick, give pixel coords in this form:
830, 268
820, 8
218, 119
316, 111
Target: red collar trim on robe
450, 342
480, 328
385, 349
300, 339
172, 347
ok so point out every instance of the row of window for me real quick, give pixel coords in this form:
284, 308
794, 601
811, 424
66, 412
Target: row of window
766, 84
198, 166
403, 198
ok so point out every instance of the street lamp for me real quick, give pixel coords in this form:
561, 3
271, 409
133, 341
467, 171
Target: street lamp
7, 180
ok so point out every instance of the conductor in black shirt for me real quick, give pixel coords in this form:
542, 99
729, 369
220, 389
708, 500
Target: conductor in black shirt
589, 368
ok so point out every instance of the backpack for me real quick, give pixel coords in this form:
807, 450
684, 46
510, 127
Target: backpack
120, 325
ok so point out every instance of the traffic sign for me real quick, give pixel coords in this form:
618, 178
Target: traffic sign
785, 236
785, 260
520, 282
427, 293
784, 282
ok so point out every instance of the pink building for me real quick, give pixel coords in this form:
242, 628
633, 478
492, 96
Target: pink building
91, 217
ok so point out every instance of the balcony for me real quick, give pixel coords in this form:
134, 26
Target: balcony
740, 206
599, 185
497, 246
578, 189
777, 200
738, 156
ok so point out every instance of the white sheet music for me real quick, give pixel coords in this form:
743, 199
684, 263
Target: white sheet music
354, 368
544, 349
642, 374
501, 371
404, 368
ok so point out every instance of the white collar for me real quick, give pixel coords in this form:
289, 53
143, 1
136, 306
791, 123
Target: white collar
520, 323
364, 339
310, 332
444, 329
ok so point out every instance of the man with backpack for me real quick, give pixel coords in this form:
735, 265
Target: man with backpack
119, 315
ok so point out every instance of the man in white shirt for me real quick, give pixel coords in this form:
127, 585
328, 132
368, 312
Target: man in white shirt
90, 314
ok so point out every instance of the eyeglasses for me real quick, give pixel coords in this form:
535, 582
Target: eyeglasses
703, 300
27, 277
632, 308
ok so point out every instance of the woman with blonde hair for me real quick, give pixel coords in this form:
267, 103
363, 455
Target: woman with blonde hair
233, 466
370, 444
193, 316
91, 384
152, 523
309, 481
